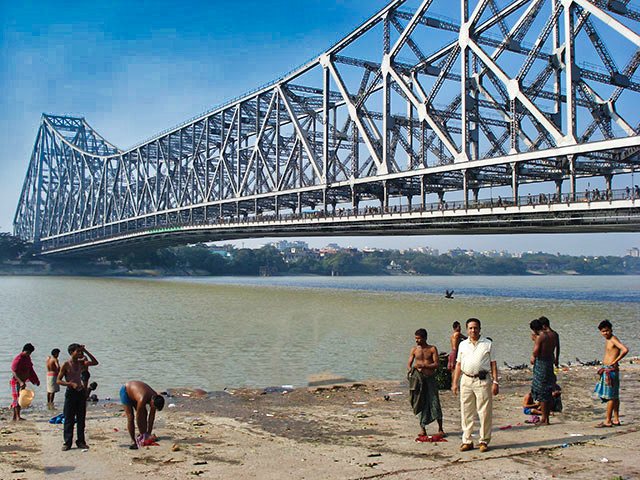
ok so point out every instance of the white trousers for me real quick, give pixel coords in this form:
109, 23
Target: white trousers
476, 398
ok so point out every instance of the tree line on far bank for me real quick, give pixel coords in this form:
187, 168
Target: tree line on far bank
201, 260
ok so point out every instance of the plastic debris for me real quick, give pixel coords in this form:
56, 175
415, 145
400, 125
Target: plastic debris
171, 405
604, 460
506, 427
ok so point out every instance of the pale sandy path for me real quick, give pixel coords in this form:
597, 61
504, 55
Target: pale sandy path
347, 433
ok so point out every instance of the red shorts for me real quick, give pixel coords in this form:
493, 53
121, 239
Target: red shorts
15, 391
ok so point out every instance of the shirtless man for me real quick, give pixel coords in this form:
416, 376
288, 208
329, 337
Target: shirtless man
75, 398
456, 338
608, 388
544, 377
53, 368
135, 396
546, 327
422, 365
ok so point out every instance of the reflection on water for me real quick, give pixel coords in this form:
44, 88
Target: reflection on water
213, 333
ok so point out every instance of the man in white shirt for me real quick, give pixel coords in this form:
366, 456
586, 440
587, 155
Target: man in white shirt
474, 363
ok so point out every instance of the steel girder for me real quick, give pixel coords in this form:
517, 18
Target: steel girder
411, 102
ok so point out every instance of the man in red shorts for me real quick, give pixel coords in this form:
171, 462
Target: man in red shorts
22, 372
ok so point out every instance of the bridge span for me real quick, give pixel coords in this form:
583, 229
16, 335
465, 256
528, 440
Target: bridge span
500, 117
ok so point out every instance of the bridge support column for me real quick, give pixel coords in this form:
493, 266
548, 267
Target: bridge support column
324, 201
465, 188
299, 204
423, 193
276, 207
572, 177
409, 202
608, 178
514, 183
385, 197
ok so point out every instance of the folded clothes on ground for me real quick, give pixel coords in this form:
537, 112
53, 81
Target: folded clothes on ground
430, 438
57, 419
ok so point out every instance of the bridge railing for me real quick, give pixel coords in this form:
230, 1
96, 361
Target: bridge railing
166, 223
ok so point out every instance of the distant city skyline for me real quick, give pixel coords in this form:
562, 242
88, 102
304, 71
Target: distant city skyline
616, 244
131, 80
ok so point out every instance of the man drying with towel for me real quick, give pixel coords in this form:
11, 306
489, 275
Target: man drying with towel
422, 366
135, 396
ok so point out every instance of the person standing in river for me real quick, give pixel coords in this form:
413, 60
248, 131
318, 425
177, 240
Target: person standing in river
422, 365
471, 378
608, 388
21, 372
544, 377
75, 398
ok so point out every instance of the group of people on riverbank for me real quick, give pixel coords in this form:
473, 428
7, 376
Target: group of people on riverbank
475, 379
471, 362
74, 374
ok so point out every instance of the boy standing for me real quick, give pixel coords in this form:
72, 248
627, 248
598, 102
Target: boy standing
608, 388
75, 398
53, 368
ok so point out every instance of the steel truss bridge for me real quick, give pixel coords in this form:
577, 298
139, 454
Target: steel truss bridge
411, 124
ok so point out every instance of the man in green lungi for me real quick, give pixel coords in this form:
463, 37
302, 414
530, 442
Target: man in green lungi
422, 366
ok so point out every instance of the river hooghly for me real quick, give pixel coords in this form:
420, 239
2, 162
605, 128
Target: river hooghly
217, 332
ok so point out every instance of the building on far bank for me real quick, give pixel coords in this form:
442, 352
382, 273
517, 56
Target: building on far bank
634, 252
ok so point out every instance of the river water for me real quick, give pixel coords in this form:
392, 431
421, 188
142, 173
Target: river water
217, 332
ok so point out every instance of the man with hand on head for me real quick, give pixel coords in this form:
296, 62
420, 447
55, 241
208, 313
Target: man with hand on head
474, 364
135, 396
75, 398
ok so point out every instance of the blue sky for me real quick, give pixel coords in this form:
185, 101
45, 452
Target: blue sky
133, 69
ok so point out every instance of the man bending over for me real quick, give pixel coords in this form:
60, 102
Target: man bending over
135, 396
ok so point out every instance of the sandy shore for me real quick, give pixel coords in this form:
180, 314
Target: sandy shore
349, 431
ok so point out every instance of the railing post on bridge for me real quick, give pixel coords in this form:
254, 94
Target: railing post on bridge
559, 190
